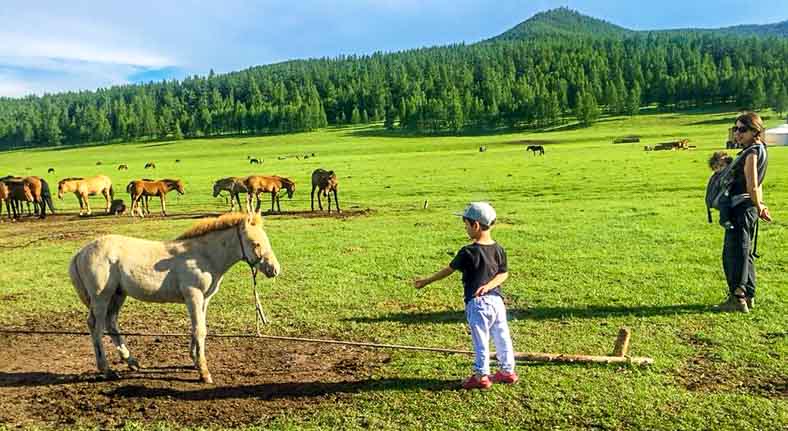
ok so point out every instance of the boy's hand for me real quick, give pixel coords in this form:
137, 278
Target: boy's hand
482, 290
419, 283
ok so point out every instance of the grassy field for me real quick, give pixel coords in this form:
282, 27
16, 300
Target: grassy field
598, 235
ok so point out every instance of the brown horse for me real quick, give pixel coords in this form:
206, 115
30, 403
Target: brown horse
234, 185
41, 195
256, 184
84, 187
325, 182
139, 188
13, 193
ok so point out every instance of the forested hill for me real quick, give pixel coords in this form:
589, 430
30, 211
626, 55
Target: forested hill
563, 22
508, 82
568, 23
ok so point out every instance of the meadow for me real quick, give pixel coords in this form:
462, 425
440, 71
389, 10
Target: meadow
598, 235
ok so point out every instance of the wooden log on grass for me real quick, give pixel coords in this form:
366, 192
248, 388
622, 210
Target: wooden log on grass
620, 350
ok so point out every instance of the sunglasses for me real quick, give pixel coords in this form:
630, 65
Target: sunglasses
740, 129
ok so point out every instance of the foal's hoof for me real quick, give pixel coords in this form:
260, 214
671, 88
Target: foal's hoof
206, 379
133, 364
111, 375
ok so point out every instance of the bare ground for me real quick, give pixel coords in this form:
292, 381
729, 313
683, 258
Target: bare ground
50, 380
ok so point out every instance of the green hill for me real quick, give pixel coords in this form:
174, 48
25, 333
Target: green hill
562, 22
565, 22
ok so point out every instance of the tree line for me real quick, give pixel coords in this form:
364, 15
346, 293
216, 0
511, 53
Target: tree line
516, 84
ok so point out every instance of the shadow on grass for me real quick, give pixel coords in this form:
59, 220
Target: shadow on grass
545, 313
268, 391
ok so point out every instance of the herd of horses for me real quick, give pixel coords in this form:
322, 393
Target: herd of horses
15, 191
324, 182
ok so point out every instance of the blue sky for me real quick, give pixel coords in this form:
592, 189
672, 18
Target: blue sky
53, 46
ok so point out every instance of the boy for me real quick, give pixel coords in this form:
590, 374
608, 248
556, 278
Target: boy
483, 266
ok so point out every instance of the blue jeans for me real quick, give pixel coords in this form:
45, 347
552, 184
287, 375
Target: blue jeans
486, 315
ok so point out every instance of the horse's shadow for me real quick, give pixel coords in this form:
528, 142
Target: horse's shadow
544, 313
269, 391
43, 378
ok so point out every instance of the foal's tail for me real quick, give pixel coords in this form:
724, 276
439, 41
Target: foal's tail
76, 280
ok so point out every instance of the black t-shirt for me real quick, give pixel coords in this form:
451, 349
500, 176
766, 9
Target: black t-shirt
479, 263
739, 185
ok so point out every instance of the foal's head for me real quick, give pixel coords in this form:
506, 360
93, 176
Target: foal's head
256, 247
289, 185
176, 185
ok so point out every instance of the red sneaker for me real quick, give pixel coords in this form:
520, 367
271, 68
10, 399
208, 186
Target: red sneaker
476, 382
506, 377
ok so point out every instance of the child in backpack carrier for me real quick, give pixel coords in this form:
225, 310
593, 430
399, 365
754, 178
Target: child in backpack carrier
719, 161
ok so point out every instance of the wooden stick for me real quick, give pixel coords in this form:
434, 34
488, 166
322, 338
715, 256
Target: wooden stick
621, 347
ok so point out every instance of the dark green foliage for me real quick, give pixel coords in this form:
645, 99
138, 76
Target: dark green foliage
506, 83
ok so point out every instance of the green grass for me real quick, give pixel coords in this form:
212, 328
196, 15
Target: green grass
599, 236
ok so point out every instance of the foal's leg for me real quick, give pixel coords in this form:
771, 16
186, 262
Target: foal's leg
163, 207
115, 303
312, 197
136, 204
195, 304
96, 320
87, 203
105, 192
319, 202
336, 201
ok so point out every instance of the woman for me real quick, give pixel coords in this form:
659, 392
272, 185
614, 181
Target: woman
737, 253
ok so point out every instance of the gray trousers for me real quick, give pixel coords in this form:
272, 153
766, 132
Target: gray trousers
737, 259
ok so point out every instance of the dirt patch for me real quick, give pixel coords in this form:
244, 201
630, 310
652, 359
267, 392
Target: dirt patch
50, 380
707, 372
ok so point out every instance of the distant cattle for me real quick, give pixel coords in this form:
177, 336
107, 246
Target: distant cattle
123, 168
536, 149
51, 170
482, 149
254, 161
177, 160
98, 163
150, 165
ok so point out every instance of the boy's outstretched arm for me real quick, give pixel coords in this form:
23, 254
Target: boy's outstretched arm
440, 275
492, 284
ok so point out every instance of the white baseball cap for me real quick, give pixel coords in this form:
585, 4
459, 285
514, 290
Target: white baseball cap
479, 211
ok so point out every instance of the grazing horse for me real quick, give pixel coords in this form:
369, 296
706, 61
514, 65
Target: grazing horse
40, 191
84, 187
254, 161
123, 168
188, 270
150, 165
234, 185
325, 182
51, 170
13, 192
536, 149
256, 184
139, 188
117, 207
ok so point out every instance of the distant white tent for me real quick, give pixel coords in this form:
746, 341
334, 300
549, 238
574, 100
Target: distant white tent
777, 135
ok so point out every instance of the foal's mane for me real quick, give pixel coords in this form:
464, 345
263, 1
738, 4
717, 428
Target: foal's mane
286, 182
224, 221
64, 180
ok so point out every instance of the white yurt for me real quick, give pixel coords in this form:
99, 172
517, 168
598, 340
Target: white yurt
777, 135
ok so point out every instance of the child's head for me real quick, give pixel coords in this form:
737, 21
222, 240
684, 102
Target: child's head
719, 161
478, 217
